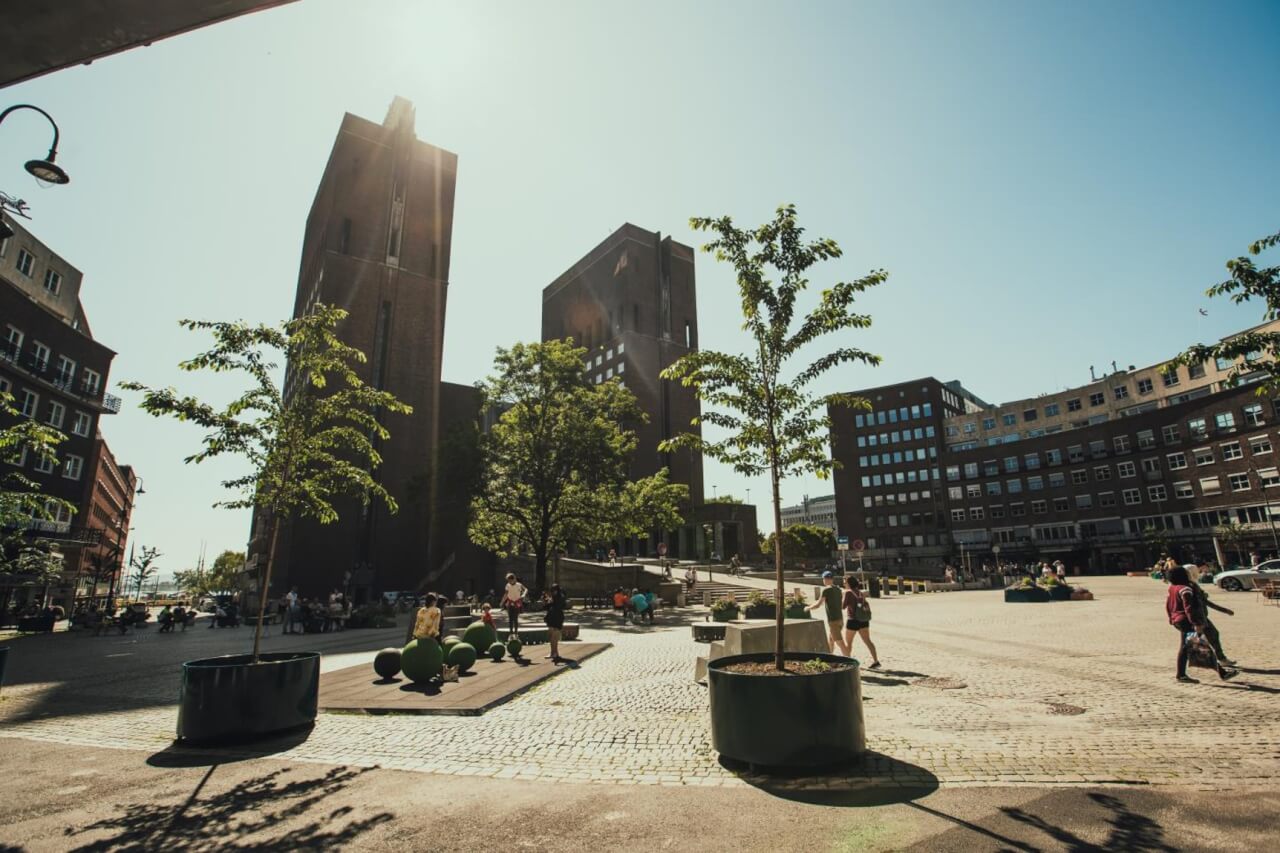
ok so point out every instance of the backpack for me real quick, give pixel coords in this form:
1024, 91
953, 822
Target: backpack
861, 610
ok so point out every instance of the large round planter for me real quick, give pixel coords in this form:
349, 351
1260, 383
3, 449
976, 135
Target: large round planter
785, 721
231, 698
1021, 595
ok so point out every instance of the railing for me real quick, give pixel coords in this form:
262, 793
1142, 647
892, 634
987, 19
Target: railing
41, 368
111, 403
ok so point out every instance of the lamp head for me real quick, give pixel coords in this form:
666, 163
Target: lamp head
47, 170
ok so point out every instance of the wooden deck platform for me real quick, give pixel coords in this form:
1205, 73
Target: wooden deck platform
487, 685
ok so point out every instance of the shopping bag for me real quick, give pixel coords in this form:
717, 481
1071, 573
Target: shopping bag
1199, 652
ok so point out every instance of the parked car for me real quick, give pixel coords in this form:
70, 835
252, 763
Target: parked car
1238, 579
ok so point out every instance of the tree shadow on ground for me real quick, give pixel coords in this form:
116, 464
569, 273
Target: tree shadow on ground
266, 812
179, 754
874, 780
1130, 831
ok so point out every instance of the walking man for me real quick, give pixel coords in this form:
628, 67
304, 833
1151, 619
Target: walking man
830, 601
292, 611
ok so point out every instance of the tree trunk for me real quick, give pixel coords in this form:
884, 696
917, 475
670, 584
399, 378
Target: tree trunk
266, 584
540, 569
777, 568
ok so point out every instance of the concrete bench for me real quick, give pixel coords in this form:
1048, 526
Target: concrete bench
758, 635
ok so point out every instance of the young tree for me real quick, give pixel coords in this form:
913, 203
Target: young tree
773, 422
308, 445
143, 565
1253, 351
555, 463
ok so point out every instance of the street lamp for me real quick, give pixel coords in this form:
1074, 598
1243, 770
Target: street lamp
47, 169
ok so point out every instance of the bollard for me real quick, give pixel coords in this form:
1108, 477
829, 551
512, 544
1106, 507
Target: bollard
900, 585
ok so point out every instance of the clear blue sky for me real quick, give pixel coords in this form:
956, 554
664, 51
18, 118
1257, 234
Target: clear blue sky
1051, 186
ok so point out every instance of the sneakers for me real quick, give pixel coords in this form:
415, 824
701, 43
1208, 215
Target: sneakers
1227, 661
875, 665
1227, 674
1186, 679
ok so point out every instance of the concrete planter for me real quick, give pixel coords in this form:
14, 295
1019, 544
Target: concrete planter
1061, 592
783, 721
231, 698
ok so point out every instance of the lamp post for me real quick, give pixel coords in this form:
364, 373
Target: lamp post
45, 170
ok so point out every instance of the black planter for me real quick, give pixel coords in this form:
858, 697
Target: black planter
723, 615
781, 721
1060, 592
1021, 595
230, 698
760, 611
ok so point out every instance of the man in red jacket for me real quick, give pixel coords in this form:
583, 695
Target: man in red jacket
1186, 615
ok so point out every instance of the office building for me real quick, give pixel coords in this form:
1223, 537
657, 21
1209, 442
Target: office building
816, 512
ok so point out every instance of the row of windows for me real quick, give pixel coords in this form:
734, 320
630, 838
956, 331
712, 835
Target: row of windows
72, 466
601, 358
28, 403
896, 436
897, 457
917, 540
893, 416
914, 519
921, 475
1182, 490
894, 498
39, 355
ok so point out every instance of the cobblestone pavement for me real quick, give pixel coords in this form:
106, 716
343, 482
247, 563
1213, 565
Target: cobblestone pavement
633, 714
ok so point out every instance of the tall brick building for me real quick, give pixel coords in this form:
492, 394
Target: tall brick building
632, 302
377, 244
1102, 476
57, 373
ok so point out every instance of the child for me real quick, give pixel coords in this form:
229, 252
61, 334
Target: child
428, 623
487, 617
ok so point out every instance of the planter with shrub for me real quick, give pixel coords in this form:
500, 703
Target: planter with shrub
797, 606
760, 605
724, 610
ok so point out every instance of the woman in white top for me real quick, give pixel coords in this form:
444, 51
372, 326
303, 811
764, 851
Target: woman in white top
513, 602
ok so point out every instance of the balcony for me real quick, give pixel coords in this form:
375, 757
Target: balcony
43, 370
62, 532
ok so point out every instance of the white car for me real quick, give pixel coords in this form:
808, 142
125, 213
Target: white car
1239, 579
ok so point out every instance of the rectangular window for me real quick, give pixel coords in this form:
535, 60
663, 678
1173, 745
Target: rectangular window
72, 467
1073, 405
1054, 457
30, 403
1032, 461
92, 382
1121, 391
973, 490
66, 372
1126, 470
1225, 421
1151, 465
1097, 398
1075, 453
988, 423
1051, 410
970, 470
857, 421
1269, 477
1013, 486
1203, 455
1253, 414
1145, 386
26, 262
1009, 419
1102, 472
1170, 434
1195, 371
45, 465
40, 356
1177, 461
1210, 486
970, 428
57, 412
1156, 493
993, 487
81, 423
1182, 490
1197, 428
1061, 504
1030, 414
1017, 510
997, 511
1223, 363
1039, 507
957, 515
1131, 497
52, 282
975, 513
1121, 443
1106, 498
1057, 480
953, 472
1170, 377
1035, 484
1011, 464
1260, 444
1146, 439
1239, 482
1231, 450
1084, 501
1079, 477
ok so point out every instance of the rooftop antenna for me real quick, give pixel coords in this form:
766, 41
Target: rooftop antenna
1093, 377
1114, 369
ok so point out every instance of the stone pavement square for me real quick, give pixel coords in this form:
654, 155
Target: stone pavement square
1058, 694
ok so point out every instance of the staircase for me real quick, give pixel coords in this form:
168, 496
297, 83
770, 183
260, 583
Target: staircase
454, 619
721, 590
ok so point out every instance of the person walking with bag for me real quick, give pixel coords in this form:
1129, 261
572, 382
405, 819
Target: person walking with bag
1188, 617
513, 602
857, 613
1210, 630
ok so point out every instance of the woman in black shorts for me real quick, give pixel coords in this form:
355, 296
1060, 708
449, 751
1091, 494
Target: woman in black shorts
555, 600
857, 618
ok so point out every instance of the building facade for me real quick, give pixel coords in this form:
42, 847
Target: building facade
816, 512
632, 303
377, 244
57, 374
99, 567
1104, 476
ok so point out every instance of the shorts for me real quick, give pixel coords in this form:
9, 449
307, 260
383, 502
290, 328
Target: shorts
856, 624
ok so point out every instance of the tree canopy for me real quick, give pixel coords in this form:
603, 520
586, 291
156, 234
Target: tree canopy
306, 445
804, 541
760, 402
555, 463
222, 576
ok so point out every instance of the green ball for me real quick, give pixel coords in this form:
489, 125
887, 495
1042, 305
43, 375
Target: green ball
514, 646
462, 655
447, 642
387, 663
497, 651
422, 660
479, 635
